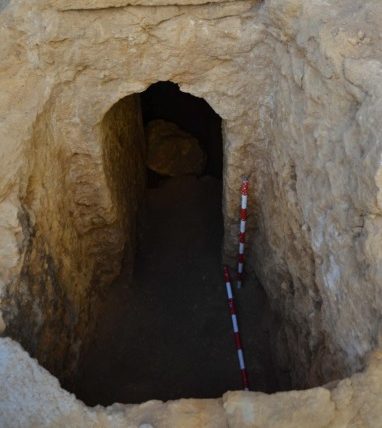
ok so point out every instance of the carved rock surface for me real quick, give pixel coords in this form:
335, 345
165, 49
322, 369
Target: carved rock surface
102, 4
298, 86
172, 151
31, 397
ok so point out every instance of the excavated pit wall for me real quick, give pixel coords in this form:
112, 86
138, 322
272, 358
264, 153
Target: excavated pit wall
298, 87
81, 201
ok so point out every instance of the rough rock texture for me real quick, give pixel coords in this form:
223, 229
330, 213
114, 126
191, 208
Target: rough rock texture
31, 397
172, 151
102, 4
298, 86
319, 209
75, 226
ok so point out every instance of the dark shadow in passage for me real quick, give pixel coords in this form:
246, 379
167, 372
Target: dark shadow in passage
164, 100
167, 334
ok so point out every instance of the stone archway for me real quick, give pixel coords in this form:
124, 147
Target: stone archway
67, 268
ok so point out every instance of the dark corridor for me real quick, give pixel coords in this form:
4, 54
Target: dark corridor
164, 100
167, 334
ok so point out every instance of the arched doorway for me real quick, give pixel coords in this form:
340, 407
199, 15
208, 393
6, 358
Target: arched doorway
164, 331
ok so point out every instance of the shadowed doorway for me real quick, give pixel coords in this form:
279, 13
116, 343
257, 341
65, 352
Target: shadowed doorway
165, 333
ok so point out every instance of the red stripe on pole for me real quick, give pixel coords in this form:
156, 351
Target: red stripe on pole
244, 378
244, 187
237, 340
243, 224
232, 307
243, 214
226, 274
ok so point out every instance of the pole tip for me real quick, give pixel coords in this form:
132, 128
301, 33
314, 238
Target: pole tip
226, 273
244, 186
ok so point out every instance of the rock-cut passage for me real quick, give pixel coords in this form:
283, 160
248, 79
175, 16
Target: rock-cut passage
167, 334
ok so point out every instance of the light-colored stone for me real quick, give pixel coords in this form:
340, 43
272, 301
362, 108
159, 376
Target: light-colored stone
298, 86
31, 397
311, 408
172, 151
102, 4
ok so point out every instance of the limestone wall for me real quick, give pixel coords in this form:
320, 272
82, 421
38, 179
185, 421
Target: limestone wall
32, 397
298, 86
318, 207
75, 216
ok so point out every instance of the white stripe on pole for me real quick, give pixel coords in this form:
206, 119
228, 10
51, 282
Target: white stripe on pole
240, 267
234, 323
238, 343
229, 290
243, 221
241, 359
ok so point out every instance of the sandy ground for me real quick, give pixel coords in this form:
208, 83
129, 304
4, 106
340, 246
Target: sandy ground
169, 334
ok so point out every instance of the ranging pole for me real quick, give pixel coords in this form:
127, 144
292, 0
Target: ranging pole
243, 223
235, 325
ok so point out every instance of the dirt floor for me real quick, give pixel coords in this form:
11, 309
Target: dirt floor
168, 335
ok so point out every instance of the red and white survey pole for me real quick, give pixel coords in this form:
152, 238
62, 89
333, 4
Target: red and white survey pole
235, 325
243, 223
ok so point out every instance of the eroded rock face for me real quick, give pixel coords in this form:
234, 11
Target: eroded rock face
101, 4
32, 397
298, 86
172, 151
75, 226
